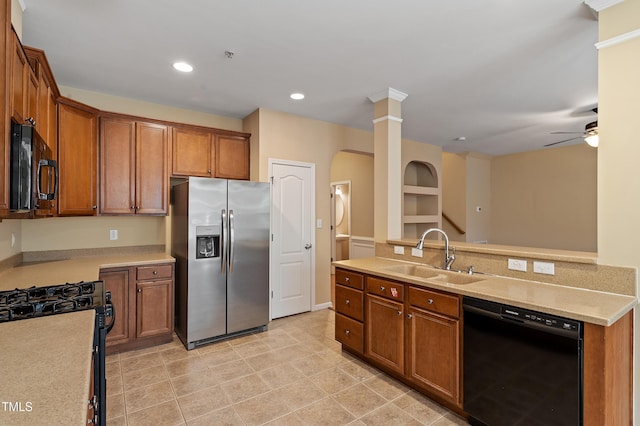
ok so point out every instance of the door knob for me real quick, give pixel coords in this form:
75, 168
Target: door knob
307, 246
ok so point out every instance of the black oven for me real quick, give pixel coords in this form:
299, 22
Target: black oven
35, 302
521, 367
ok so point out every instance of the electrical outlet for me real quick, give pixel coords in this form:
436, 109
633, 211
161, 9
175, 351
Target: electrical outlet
546, 268
517, 265
398, 250
416, 252
113, 234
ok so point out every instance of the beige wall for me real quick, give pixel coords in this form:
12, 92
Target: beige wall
7, 228
357, 168
467, 185
545, 198
122, 105
478, 194
16, 17
294, 138
619, 150
66, 233
454, 193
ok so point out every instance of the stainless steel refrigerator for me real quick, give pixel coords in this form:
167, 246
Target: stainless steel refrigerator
220, 240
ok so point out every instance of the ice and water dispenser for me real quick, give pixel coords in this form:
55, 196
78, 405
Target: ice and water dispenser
207, 241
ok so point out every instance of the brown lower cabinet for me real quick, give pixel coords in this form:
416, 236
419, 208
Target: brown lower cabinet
142, 297
409, 332
425, 352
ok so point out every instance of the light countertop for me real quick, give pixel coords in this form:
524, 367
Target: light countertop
45, 365
591, 306
72, 270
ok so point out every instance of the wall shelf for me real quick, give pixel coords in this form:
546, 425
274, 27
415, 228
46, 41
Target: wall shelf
421, 199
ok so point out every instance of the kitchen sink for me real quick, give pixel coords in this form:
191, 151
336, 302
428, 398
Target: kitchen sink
430, 273
456, 278
413, 270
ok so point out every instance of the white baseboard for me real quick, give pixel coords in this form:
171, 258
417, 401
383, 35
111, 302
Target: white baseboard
325, 305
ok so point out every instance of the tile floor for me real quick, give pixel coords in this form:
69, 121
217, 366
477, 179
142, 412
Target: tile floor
293, 374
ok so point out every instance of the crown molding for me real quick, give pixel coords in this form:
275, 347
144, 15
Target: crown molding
390, 93
387, 117
618, 39
599, 5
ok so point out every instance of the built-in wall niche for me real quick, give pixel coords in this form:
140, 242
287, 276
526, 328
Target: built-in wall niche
421, 195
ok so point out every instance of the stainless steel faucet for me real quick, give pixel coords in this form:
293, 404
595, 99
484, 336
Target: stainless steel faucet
448, 257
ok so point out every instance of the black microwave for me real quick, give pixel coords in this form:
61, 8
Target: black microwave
34, 174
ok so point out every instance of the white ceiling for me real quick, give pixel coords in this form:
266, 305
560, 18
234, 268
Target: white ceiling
502, 73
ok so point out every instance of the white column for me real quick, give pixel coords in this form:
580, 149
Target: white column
387, 152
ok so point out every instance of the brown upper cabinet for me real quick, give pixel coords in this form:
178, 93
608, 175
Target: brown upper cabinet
77, 159
198, 151
134, 176
45, 98
232, 156
193, 152
19, 75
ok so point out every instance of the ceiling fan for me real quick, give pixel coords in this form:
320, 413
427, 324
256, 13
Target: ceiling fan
590, 134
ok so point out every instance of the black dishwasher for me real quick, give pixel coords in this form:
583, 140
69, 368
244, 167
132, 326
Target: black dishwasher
521, 367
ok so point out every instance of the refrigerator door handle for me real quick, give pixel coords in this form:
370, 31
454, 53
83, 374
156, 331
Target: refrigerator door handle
231, 240
223, 258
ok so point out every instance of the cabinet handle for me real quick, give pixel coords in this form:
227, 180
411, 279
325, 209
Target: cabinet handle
94, 207
399, 312
155, 272
381, 288
132, 207
347, 332
430, 301
346, 279
209, 171
139, 290
346, 301
409, 316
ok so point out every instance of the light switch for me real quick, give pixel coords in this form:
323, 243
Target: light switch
113, 234
416, 252
319, 223
398, 249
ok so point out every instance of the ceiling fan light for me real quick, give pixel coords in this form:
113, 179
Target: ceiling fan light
592, 140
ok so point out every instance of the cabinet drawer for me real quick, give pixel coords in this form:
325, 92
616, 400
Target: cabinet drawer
153, 272
446, 304
349, 332
349, 302
384, 288
350, 279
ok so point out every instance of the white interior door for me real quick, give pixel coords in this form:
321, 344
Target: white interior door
292, 238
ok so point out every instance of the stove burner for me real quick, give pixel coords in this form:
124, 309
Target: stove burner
39, 301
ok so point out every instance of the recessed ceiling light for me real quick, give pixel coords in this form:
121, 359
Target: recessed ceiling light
182, 66
297, 96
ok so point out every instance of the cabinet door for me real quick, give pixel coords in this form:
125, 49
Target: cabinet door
385, 332
117, 282
32, 96
152, 175
192, 152
117, 166
18, 81
232, 157
154, 308
46, 123
77, 160
435, 353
